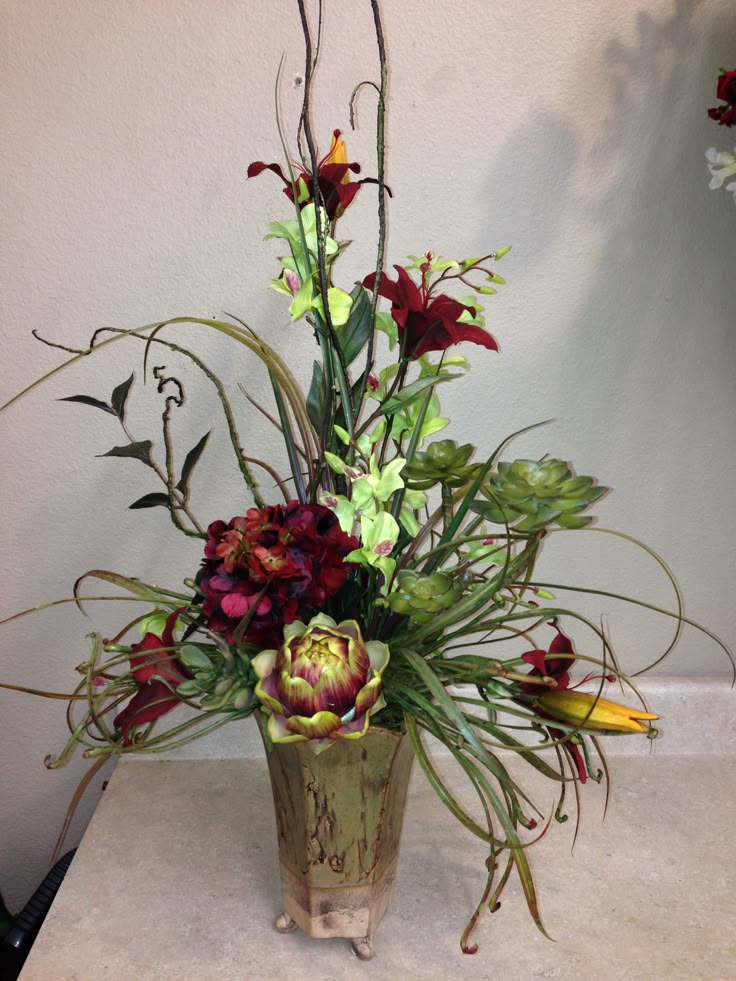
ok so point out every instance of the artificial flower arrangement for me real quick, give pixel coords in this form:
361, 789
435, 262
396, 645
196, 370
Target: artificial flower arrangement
721, 163
375, 583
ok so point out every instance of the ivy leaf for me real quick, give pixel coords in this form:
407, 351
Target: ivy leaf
88, 400
316, 397
150, 501
189, 463
119, 396
354, 334
138, 451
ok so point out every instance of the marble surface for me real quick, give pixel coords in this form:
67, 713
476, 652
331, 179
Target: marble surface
176, 879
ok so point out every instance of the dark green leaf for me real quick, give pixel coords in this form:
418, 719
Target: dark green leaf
354, 335
138, 451
189, 463
316, 397
150, 501
119, 396
88, 400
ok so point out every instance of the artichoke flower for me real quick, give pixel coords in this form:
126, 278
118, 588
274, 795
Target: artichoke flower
322, 684
420, 597
443, 462
590, 712
530, 494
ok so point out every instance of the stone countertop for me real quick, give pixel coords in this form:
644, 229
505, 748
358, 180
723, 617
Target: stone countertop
177, 879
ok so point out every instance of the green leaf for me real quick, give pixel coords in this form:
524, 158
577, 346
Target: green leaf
119, 397
573, 521
408, 394
138, 451
386, 323
189, 463
353, 336
316, 397
150, 501
88, 400
194, 657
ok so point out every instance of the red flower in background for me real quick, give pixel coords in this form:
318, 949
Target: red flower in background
156, 672
286, 560
333, 175
726, 91
427, 323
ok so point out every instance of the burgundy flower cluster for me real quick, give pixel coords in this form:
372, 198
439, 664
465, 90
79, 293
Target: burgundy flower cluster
726, 91
284, 560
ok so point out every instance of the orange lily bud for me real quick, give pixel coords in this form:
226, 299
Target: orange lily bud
338, 153
580, 708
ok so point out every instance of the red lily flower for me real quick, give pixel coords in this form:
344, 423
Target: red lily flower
427, 323
555, 663
156, 672
333, 175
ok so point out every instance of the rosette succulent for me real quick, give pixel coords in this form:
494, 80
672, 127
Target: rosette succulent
322, 684
420, 597
530, 494
443, 462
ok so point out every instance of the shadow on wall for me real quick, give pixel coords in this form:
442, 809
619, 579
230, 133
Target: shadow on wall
654, 323
673, 307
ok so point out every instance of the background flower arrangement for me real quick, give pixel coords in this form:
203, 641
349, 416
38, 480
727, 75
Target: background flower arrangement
537, 445
722, 164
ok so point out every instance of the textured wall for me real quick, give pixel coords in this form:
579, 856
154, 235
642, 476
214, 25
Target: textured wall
573, 131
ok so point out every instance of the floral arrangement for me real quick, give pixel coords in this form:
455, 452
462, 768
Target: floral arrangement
375, 582
721, 163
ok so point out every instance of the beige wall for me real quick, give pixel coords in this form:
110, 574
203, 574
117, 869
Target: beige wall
574, 131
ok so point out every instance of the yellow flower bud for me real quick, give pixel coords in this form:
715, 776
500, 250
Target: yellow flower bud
577, 707
338, 153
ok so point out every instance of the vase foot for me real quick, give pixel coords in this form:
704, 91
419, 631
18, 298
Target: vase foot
364, 949
284, 923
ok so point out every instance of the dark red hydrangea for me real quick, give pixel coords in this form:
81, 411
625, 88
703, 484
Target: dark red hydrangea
286, 560
157, 672
726, 91
427, 322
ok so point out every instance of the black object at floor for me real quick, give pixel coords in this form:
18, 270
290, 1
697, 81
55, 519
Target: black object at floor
17, 942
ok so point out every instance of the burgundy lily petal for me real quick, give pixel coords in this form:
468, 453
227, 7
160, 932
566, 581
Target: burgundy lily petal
573, 752
258, 167
148, 704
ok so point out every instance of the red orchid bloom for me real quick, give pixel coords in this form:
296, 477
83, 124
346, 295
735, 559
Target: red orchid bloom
426, 322
333, 174
156, 672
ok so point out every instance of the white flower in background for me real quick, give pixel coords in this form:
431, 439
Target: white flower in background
721, 165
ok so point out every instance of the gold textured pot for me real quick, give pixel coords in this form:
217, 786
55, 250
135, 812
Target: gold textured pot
338, 817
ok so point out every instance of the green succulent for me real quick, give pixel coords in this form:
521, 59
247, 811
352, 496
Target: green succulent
420, 597
530, 494
218, 683
443, 462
